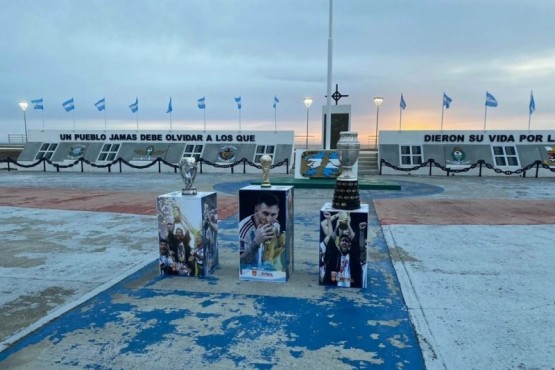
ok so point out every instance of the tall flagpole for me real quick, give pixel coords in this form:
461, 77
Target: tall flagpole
275, 118
137, 119
485, 116
42, 115
442, 110
400, 117
204, 118
327, 128
73, 115
105, 124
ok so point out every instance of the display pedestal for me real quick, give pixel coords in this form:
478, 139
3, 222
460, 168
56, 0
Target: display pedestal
342, 257
266, 233
187, 231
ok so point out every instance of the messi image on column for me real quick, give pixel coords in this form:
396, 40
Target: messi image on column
188, 231
342, 254
264, 237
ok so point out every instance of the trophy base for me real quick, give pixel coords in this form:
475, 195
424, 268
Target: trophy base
189, 191
265, 185
346, 195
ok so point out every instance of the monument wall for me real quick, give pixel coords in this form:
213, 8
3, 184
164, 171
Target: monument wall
504, 150
140, 148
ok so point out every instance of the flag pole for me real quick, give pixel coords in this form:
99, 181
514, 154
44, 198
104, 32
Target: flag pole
137, 119
204, 118
400, 117
239, 120
42, 115
442, 111
105, 124
275, 118
171, 128
73, 115
327, 128
485, 116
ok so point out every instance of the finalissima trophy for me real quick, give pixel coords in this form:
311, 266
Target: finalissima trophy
266, 163
188, 172
346, 195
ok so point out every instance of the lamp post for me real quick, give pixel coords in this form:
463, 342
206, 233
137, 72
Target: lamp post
307, 103
24, 105
378, 100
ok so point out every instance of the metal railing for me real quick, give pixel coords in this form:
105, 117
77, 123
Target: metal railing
481, 164
120, 162
16, 139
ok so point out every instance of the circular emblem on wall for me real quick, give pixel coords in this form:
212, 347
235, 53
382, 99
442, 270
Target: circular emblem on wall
76, 150
458, 154
227, 153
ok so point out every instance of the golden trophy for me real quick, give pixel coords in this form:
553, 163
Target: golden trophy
266, 163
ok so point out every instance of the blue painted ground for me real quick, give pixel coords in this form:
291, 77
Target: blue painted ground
152, 321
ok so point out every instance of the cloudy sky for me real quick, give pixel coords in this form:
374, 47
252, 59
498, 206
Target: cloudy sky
258, 49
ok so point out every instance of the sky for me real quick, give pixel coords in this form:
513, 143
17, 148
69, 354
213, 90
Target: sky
259, 49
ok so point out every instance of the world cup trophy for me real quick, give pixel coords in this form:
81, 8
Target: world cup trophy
188, 172
266, 163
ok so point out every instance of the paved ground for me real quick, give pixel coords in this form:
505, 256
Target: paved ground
460, 277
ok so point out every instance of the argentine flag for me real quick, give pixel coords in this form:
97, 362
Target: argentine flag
170, 108
446, 101
490, 100
68, 105
201, 103
101, 104
37, 104
135, 106
532, 106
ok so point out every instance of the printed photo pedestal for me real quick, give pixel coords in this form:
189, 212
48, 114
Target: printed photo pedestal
342, 257
266, 233
187, 232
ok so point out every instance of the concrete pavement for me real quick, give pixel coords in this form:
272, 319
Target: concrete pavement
459, 278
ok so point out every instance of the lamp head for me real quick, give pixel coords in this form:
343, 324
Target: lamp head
378, 100
307, 102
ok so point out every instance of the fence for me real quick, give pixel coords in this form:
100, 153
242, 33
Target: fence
158, 161
480, 164
16, 139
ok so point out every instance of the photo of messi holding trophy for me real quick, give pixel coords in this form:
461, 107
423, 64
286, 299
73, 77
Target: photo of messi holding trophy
264, 241
343, 251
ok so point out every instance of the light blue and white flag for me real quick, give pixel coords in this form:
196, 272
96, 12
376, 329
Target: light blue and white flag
402, 103
170, 108
276, 100
238, 101
101, 104
68, 105
135, 106
532, 106
37, 104
202, 103
490, 100
446, 101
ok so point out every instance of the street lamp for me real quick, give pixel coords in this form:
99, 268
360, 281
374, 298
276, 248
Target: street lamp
24, 105
378, 100
307, 103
